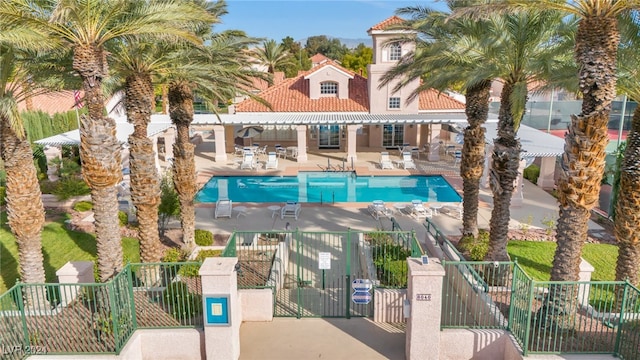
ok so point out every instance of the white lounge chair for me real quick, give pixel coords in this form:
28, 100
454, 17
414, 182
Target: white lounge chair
377, 209
407, 161
224, 208
272, 161
385, 162
290, 209
419, 211
248, 161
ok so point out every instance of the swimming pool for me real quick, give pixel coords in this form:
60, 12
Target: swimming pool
327, 187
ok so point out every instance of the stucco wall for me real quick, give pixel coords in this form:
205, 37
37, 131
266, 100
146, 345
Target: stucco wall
257, 304
477, 344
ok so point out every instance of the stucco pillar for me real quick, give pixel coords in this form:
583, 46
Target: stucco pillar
218, 133
546, 180
517, 197
219, 279
434, 143
51, 154
302, 143
424, 293
584, 275
169, 140
74, 272
154, 142
352, 131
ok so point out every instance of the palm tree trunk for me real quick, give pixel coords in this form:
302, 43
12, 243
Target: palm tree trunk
583, 162
145, 182
472, 163
627, 224
165, 99
184, 167
504, 172
25, 212
101, 159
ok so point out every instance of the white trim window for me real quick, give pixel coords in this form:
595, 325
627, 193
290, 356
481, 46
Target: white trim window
329, 88
394, 103
395, 52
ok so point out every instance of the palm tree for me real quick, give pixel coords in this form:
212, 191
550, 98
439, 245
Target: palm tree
272, 55
217, 72
627, 224
86, 26
451, 57
138, 61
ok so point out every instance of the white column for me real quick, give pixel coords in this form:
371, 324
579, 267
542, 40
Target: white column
51, 154
302, 143
424, 293
352, 131
221, 143
434, 143
546, 180
517, 197
219, 279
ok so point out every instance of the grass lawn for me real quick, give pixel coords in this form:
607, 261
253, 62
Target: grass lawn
536, 258
59, 245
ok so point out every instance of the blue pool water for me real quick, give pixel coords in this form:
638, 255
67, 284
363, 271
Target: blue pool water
327, 187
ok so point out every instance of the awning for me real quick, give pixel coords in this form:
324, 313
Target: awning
535, 143
123, 130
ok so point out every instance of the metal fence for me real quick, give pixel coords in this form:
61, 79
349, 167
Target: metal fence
98, 318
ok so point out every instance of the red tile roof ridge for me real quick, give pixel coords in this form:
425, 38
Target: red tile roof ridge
387, 22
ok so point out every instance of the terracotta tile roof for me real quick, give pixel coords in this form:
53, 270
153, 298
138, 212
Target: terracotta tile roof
52, 103
262, 85
319, 59
433, 100
292, 95
394, 20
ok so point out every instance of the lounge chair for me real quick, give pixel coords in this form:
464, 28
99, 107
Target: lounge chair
377, 209
385, 162
272, 161
407, 161
248, 161
224, 208
290, 209
419, 211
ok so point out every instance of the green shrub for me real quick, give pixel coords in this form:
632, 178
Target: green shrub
123, 217
173, 255
47, 187
81, 206
203, 254
475, 248
70, 187
182, 304
390, 260
3, 194
532, 173
204, 237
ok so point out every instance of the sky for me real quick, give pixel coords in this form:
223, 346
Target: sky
277, 19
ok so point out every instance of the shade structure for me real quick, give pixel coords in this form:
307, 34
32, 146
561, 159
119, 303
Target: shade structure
249, 131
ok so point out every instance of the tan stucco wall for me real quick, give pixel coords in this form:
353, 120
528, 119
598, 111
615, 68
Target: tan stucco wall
328, 73
477, 344
257, 304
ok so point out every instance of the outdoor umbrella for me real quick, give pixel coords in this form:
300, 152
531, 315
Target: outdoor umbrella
249, 132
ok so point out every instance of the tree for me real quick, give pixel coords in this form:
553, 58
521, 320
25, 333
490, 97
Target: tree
217, 72
272, 55
627, 207
86, 26
331, 48
358, 59
455, 53
301, 61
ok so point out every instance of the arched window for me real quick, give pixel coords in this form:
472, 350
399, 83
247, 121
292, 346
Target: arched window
328, 87
395, 52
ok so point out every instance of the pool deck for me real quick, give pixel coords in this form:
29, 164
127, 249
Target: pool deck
537, 206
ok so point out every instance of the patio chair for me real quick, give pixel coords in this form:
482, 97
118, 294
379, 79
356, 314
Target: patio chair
290, 209
272, 161
407, 161
281, 151
457, 156
377, 209
248, 161
262, 150
224, 208
385, 162
238, 150
419, 211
